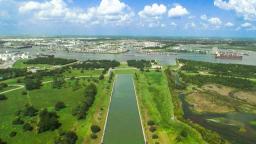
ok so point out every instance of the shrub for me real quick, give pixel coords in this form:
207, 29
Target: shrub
151, 123
30, 111
154, 136
48, 121
13, 134
184, 133
152, 129
101, 77
27, 127
69, 137
24, 93
2, 141
95, 129
3, 97
18, 121
59, 105
94, 136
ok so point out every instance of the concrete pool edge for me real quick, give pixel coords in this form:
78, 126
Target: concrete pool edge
138, 107
106, 119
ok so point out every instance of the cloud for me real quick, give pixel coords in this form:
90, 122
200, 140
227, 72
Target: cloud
178, 11
190, 25
229, 24
111, 7
246, 25
203, 17
153, 10
108, 11
245, 8
215, 21
173, 24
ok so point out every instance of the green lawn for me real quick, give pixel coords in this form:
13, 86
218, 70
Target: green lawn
156, 104
46, 97
21, 64
77, 72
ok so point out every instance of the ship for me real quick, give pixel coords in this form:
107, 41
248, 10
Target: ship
228, 55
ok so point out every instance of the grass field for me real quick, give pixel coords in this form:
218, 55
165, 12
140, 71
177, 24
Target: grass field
156, 104
46, 97
21, 64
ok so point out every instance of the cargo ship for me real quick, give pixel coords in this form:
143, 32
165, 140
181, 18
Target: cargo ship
228, 55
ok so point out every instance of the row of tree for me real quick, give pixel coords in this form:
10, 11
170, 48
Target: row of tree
200, 80
96, 64
235, 70
50, 60
81, 110
11, 73
140, 64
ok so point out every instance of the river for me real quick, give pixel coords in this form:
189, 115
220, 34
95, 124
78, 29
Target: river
132, 54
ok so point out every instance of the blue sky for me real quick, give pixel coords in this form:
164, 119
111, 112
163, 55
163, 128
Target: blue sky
224, 18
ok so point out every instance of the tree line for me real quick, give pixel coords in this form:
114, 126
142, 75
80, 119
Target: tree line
235, 70
90, 93
96, 64
200, 80
50, 60
11, 73
140, 64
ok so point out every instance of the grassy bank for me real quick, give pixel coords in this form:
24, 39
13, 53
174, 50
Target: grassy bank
156, 105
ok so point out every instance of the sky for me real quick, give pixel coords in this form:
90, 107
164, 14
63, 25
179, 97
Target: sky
196, 18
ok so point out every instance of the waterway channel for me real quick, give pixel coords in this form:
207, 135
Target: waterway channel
123, 123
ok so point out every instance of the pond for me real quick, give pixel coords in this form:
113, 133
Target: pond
123, 123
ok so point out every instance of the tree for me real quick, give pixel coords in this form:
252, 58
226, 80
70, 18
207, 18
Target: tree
13, 134
151, 123
30, 111
18, 121
47, 121
94, 136
33, 82
27, 127
95, 129
3, 85
91, 90
59, 105
58, 81
2, 141
2, 97
101, 77
69, 137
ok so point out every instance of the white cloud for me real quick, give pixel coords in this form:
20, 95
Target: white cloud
190, 25
245, 8
153, 10
204, 17
108, 11
173, 24
229, 24
246, 25
215, 21
111, 7
178, 11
